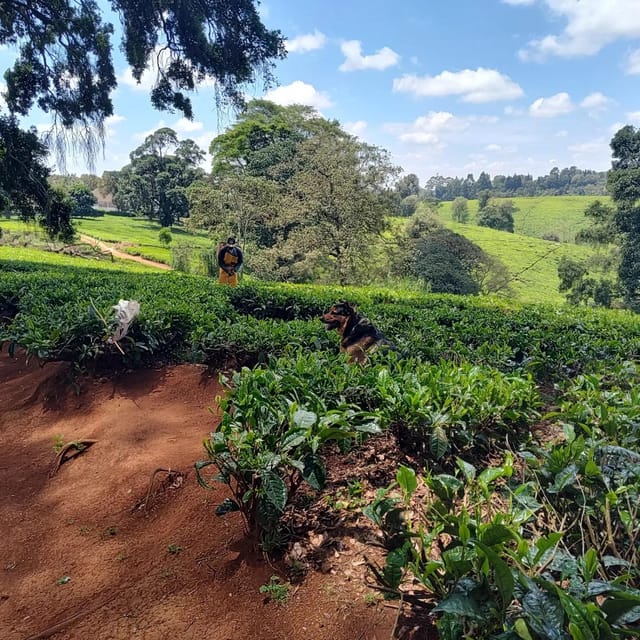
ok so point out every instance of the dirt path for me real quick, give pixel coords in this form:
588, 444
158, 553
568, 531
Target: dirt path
82, 549
122, 254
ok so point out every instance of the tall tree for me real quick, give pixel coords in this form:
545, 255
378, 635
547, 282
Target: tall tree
154, 183
623, 182
336, 201
460, 210
265, 137
24, 188
408, 185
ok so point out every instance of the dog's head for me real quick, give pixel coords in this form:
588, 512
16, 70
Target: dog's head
338, 316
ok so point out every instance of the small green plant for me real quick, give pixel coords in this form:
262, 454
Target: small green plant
468, 548
181, 257
122, 556
165, 236
209, 259
174, 549
110, 531
63, 580
371, 599
276, 591
58, 442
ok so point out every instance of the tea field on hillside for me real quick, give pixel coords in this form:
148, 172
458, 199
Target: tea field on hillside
515, 512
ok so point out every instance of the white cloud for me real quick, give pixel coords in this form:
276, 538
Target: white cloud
147, 80
306, 42
299, 92
510, 110
593, 153
493, 147
428, 129
556, 105
591, 24
187, 126
615, 127
633, 62
480, 85
355, 61
633, 116
518, 2
356, 128
595, 102
114, 119
563, 133
141, 136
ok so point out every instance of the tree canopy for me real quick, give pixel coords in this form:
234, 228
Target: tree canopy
623, 182
65, 65
308, 196
154, 183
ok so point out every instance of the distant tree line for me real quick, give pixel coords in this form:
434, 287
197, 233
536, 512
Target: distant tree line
567, 181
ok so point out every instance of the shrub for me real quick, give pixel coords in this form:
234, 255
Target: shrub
181, 257
165, 236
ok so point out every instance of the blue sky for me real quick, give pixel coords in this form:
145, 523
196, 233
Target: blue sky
448, 88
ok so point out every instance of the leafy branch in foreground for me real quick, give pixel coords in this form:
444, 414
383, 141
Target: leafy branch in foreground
467, 555
268, 444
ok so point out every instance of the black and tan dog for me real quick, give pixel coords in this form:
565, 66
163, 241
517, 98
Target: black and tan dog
358, 334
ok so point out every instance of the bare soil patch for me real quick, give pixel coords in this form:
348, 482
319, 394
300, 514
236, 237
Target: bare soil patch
92, 553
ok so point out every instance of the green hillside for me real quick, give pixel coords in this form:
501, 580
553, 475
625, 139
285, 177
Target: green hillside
139, 235
47, 259
538, 216
531, 261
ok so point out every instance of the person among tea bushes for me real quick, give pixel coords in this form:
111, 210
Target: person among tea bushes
229, 260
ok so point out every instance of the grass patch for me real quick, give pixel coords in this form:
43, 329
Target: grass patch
540, 215
532, 260
50, 259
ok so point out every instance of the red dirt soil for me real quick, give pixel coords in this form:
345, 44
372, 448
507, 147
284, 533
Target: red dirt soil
83, 523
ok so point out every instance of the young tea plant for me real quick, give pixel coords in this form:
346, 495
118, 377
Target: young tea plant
276, 590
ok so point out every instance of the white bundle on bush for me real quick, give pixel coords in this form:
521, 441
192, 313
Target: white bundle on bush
125, 312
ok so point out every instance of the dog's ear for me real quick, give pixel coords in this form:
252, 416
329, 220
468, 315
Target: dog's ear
349, 306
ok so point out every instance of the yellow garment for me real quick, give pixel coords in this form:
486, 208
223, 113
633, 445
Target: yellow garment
225, 278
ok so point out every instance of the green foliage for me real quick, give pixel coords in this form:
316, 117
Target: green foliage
181, 254
154, 184
312, 198
467, 547
441, 268
276, 590
498, 215
82, 200
61, 40
270, 440
277, 418
623, 182
460, 210
165, 236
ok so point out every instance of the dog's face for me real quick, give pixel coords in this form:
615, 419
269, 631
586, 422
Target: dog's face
338, 316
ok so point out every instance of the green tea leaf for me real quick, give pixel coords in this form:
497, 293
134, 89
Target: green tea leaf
406, 478
304, 419
275, 489
496, 534
315, 472
438, 442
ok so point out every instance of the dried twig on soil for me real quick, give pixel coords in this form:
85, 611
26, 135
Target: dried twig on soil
172, 475
69, 451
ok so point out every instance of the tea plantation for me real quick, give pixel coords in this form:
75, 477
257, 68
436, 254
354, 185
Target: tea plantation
519, 516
